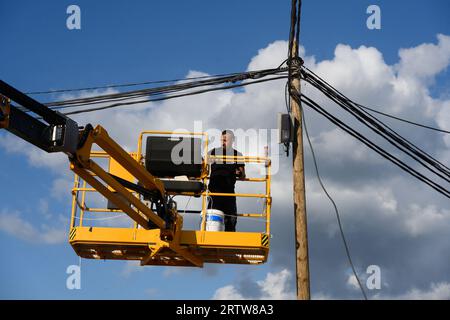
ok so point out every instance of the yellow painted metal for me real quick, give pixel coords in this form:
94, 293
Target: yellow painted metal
99, 154
146, 246
85, 167
251, 215
254, 180
86, 189
103, 210
103, 140
268, 205
83, 204
241, 158
116, 169
244, 195
127, 167
152, 247
76, 184
118, 201
204, 206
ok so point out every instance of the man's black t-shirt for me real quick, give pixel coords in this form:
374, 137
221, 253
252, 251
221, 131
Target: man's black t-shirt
223, 171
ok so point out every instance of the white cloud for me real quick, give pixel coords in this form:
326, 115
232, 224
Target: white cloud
376, 205
352, 282
13, 224
439, 291
356, 69
334, 144
360, 73
228, 292
443, 120
274, 287
393, 204
425, 60
271, 56
36, 157
44, 209
436, 291
426, 220
352, 202
62, 187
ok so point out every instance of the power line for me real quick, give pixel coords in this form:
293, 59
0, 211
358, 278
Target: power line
403, 120
313, 105
251, 75
169, 91
379, 127
129, 95
128, 84
380, 112
172, 96
346, 247
347, 250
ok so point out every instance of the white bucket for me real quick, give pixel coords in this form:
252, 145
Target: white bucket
214, 220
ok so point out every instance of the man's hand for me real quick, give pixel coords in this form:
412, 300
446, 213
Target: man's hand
240, 173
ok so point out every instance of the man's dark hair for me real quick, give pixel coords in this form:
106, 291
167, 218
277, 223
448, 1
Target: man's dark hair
231, 133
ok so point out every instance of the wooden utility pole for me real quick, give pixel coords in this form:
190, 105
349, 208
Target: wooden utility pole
301, 234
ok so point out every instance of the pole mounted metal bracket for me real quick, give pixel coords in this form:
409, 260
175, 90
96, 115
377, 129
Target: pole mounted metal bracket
295, 65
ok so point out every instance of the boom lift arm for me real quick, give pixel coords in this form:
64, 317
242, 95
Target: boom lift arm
157, 237
55, 132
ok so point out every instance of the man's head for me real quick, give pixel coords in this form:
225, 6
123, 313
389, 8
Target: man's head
227, 139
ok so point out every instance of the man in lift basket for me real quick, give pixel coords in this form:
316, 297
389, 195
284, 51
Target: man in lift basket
224, 173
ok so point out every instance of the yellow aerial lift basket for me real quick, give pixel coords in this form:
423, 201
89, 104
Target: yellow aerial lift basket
149, 245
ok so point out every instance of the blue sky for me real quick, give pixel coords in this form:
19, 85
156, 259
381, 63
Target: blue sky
163, 40
154, 40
